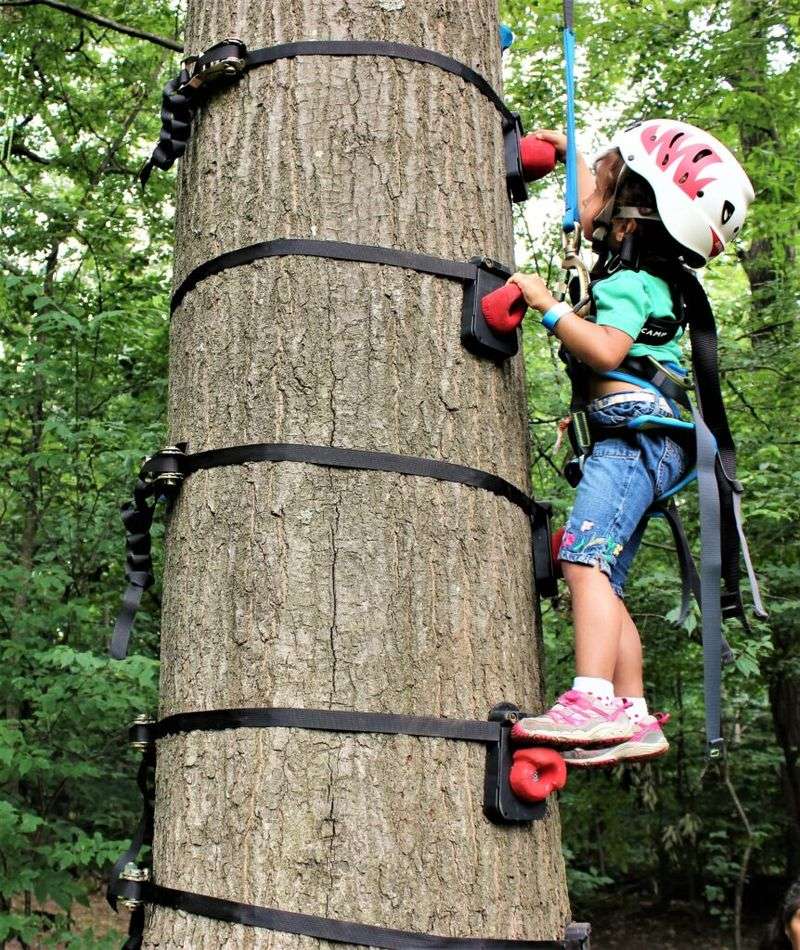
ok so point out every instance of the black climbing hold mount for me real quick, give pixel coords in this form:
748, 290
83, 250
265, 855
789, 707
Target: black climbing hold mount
500, 804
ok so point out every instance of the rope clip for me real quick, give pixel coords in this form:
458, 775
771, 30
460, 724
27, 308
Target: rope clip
572, 261
223, 62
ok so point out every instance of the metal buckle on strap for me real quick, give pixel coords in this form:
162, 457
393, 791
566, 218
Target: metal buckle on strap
222, 61
164, 469
135, 877
140, 733
684, 381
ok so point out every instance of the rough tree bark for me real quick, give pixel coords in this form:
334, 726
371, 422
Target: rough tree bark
292, 585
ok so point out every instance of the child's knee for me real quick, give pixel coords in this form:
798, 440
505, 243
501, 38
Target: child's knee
576, 573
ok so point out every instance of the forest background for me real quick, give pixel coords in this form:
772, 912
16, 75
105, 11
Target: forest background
85, 262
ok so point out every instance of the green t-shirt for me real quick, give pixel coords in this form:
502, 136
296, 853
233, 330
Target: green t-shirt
626, 299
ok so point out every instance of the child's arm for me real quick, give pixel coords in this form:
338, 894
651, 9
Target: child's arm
558, 140
602, 348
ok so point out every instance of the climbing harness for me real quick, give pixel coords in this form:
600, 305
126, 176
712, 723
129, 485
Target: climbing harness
544, 772
224, 64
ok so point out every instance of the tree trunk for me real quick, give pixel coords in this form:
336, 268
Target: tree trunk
289, 585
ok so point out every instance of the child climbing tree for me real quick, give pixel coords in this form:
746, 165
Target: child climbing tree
292, 585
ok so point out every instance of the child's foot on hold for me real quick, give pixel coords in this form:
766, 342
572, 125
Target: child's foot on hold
577, 719
647, 742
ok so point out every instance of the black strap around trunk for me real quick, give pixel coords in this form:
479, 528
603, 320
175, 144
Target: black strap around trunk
326, 720
200, 77
326, 928
145, 735
414, 54
335, 250
161, 476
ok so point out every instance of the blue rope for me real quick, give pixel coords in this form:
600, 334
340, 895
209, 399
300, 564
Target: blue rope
571, 214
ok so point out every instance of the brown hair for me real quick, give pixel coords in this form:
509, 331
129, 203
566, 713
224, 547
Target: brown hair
654, 239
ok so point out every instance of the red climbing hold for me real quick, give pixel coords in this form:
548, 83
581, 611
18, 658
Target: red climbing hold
538, 157
537, 772
504, 308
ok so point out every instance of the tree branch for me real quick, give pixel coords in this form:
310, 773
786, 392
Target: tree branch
100, 20
22, 151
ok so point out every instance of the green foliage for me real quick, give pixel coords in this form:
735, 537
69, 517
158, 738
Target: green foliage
83, 318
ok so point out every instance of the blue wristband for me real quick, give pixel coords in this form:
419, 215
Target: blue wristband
553, 315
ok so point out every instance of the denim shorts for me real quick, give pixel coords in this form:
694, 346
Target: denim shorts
621, 480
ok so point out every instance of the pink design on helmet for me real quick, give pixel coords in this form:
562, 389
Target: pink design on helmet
692, 157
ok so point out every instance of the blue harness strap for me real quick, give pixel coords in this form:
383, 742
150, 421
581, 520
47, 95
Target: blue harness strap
571, 216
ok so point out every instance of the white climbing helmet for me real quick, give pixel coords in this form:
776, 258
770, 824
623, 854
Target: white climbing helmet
702, 192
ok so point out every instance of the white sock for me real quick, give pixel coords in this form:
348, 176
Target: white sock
595, 685
638, 708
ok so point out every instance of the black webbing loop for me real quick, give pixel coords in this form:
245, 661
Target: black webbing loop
464, 271
414, 54
329, 456
144, 832
690, 579
160, 477
225, 63
162, 474
326, 720
336, 931
137, 890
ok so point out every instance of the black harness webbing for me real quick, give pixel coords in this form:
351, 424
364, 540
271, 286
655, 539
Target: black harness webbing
463, 271
162, 475
705, 362
140, 890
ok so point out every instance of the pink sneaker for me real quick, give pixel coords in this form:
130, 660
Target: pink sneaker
577, 719
647, 742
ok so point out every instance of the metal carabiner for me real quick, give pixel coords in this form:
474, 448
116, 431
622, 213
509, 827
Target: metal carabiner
571, 261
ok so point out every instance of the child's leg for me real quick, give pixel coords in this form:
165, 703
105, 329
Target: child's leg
615, 492
628, 668
597, 613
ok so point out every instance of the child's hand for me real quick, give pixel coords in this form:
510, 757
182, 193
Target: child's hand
534, 290
557, 139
